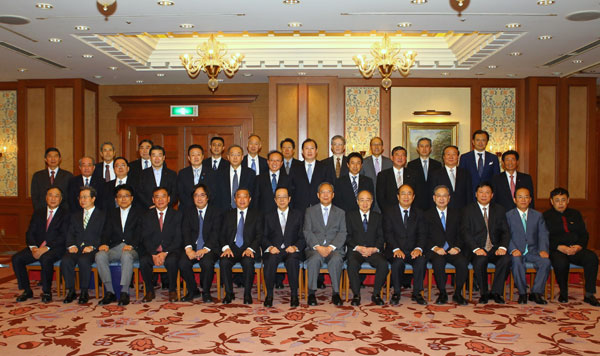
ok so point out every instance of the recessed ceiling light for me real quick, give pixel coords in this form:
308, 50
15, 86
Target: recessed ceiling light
291, 2
492, 66
247, 74
513, 25
479, 73
166, 3
445, 74
294, 24
418, 2
511, 75
545, 37
545, 2
82, 28
186, 25
139, 81
577, 61
160, 74
301, 73
219, 80
87, 56
556, 73
113, 68
514, 54
43, 5
97, 76
55, 40
404, 24
22, 70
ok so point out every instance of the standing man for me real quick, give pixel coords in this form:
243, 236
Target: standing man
456, 179
52, 176
45, 240
528, 243
216, 161
350, 184
568, 240
365, 244
85, 179
191, 176
121, 167
325, 234
306, 178
119, 243
424, 166
288, 149
337, 164
506, 183
269, 180
374, 164
252, 160
283, 242
158, 175
236, 177
83, 239
390, 180
482, 165
141, 163
105, 170
486, 235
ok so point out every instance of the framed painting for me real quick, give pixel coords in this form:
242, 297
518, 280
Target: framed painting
441, 134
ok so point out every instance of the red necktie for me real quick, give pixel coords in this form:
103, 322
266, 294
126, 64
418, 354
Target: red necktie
49, 219
107, 174
51, 177
565, 225
512, 186
160, 220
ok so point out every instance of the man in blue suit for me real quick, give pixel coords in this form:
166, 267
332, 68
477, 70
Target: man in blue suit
528, 243
482, 165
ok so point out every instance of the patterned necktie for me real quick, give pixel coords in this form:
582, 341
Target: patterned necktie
200, 240
287, 167
425, 169
524, 221
239, 234
365, 222
51, 177
86, 219
87, 182
49, 219
480, 164
146, 164
253, 166
107, 173
443, 218
512, 186
161, 220
215, 165
234, 187
399, 179
325, 215
274, 182
405, 220
488, 241
120, 182
282, 222
338, 168
354, 186
377, 166
196, 175
309, 172
452, 179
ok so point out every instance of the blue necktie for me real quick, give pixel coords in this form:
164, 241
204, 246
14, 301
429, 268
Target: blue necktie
365, 222
196, 175
444, 225
325, 215
274, 182
405, 220
239, 235
480, 164
146, 164
200, 241
253, 166
354, 186
524, 221
234, 187
309, 173
215, 165
87, 182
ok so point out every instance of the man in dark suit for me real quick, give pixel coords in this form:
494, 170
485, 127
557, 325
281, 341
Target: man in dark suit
269, 180
119, 243
405, 236
201, 227
45, 240
444, 244
50, 177
347, 186
241, 236
306, 178
288, 149
121, 167
83, 239
390, 180
456, 179
337, 164
104, 170
189, 177
568, 241
137, 166
283, 241
216, 161
237, 176
424, 166
365, 244
85, 179
508, 182
158, 175
252, 160
482, 165
374, 164
161, 241
486, 235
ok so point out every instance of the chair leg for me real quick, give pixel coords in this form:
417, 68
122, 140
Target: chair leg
512, 287
218, 273
136, 282
346, 279
95, 270
387, 286
300, 283
470, 285
257, 272
429, 273
552, 281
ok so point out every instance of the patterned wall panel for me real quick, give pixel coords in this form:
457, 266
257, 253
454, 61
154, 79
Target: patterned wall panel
498, 108
8, 139
362, 117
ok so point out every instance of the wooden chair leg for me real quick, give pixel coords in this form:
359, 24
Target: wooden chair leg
136, 282
306, 285
257, 272
300, 283
346, 279
387, 287
429, 273
218, 273
470, 285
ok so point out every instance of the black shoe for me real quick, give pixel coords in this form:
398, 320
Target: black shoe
149, 297
294, 301
84, 297
522, 299
459, 299
268, 301
591, 300
206, 297
442, 299
108, 298
355, 300
336, 300
312, 300
498, 298
395, 299
484, 299
173, 297
46, 298
25, 295
165, 286
190, 295
247, 299
228, 299
563, 298
321, 285
419, 299
376, 299
537, 298
71, 295
279, 285
124, 298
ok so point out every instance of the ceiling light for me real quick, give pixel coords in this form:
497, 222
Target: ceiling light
445, 74
160, 74
43, 5
82, 28
22, 70
513, 25
511, 75
291, 2
55, 40
514, 54
545, 2
479, 73
577, 61
247, 74
431, 113
186, 25
492, 66
113, 68
139, 81
556, 73
97, 76
88, 56
418, 2
166, 3
404, 24
294, 24
545, 37
301, 73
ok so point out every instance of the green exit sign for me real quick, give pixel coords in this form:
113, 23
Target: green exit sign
184, 110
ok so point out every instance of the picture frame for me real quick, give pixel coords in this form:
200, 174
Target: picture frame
441, 134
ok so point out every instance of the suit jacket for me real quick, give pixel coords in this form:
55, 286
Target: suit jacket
246, 179
473, 229
357, 236
344, 194
135, 172
330, 165
404, 238
73, 193
294, 162
423, 199
262, 164
168, 180
151, 235
266, 198
113, 233
304, 194
253, 230
91, 235
501, 187
109, 193
293, 235
491, 167
56, 235
99, 171
185, 185
577, 234
436, 235
210, 228
387, 193
40, 182
317, 233
536, 236
368, 169
223, 165
461, 195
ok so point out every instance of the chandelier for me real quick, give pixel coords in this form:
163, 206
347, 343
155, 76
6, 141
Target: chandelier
387, 58
212, 61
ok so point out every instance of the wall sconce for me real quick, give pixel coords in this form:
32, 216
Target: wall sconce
2, 152
432, 113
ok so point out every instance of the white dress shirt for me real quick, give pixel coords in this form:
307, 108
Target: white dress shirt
124, 215
157, 175
111, 170
256, 160
285, 216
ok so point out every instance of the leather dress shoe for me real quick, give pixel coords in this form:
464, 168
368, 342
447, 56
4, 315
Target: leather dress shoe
247, 299
419, 299
25, 295
484, 299
71, 295
108, 298
228, 298
321, 285
165, 286
189, 297
173, 296
522, 299
206, 297
376, 299
312, 299
459, 299
149, 297
124, 298
84, 297
395, 299
591, 300
537, 298
498, 298
442, 299
563, 298
278, 285
46, 297
268, 301
355, 300
294, 301
336, 300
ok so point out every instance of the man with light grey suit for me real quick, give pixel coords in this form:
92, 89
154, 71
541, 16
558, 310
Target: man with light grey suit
528, 243
325, 234
374, 164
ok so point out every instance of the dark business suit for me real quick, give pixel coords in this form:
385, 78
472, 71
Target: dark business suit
36, 235
109, 192
387, 191
154, 241
210, 239
135, 171
79, 237
460, 194
330, 163
344, 194
185, 185
491, 167
73, 192
100, 170
294, 162
293, 236
223, 166
368, 169
168, 180
246, 179
423, 199
373, 237
266, 196
40, 182
261, 164
501, 187
304, 194
406, 238
474, 234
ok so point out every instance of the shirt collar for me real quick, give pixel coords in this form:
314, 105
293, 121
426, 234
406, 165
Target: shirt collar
125, 210
55, 170
285, 212
478, 152
240, 210
484, 206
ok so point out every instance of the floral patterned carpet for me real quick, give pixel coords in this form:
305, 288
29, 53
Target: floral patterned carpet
160, 328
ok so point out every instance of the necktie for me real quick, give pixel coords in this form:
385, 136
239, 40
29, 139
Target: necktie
480, 164
161, 220
87, 182
443, 217
512, 186
565, 225
354, 186
452, 178
338, 167
274, 182
325, 215
196, 175
49, 219
488, 241
365, 222
146, 164
107, 173
425, 169
405, 220
377, 166
120, 182
51, 177
200, 240
215, 165
234, 187
287, 167
253, 166
282, 222
399, 179
309, 172
239, 235
86, 218
524, 221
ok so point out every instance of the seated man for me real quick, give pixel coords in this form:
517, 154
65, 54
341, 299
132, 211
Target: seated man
201, 225
365, 244
325, 234
568, 241
241, 235
83, 239
119, 242
161, 241
283, 242
528, 243
45, 240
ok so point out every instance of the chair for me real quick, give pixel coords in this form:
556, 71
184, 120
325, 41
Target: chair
491, 268
366, 268
281, 269
449, 268
323, 269
37, 266
135, 282
529, 271
155, 269
573, 268
63, 287
237, 268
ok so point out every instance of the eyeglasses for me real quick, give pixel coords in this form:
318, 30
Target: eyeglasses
200, 195
123, 196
